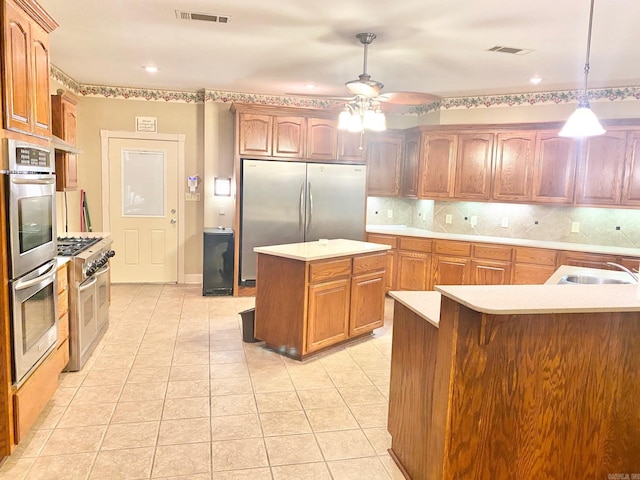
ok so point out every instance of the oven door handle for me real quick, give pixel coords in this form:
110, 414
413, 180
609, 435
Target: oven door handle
21, 285
90, 284
32, 181
102, 271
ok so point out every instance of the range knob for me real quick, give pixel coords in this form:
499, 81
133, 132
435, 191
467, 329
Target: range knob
111, 253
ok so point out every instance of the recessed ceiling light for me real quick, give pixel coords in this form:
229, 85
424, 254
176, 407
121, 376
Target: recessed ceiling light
150, 69
535, 80
310, 86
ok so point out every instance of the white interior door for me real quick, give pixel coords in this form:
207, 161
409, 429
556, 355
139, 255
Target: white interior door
143, 213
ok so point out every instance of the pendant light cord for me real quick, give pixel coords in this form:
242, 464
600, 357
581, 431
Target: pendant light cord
585, 100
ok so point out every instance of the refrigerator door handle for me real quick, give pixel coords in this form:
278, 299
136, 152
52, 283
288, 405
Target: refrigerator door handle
310, 208
301, 211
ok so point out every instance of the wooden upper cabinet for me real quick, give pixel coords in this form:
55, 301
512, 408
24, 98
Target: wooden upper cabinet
384, 161
600, 169
322, 139
554, 168
17, 68
352, 146
64, 124
255, 134
631, 188
411, 166
25, 69
473, 166
513, 166
437, 165
289, 135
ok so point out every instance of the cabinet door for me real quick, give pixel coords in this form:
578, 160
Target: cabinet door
513, 165
524, 274
554, 168
289, 136
451, 271
352, 146
411, 163
40, 82
437, 166
384, 156
390, 274
600, 169
322, 139
473, 166
367, 303
328, 314
414, 271
631, 189
490, 273
254, 135
17, 68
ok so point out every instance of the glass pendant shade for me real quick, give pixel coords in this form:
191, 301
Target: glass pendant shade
582, 123
344, 119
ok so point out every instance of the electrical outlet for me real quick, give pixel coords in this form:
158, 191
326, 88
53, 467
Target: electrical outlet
473, 220
448, 219
505, 222
389, 213
575, 227
192, 197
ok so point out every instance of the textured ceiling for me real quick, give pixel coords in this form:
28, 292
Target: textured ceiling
431, 46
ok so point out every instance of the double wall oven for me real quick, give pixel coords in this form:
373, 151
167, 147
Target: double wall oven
28, 171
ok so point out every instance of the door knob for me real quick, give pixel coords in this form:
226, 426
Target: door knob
173, 220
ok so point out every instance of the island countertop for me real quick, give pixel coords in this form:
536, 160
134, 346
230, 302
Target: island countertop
319, 250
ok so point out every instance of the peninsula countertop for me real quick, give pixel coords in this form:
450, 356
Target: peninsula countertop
321, 249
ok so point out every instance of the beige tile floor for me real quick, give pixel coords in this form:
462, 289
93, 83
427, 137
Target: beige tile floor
172, 392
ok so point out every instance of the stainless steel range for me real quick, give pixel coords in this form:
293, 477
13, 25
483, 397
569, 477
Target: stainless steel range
89, 294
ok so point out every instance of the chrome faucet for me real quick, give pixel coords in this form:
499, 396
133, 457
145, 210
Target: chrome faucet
624, 269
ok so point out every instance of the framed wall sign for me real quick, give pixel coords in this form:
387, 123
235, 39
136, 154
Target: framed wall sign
147, 124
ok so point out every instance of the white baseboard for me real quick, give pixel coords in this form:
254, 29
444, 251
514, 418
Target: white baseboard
193, 278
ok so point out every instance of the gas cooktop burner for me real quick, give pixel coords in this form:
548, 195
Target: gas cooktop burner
70, 246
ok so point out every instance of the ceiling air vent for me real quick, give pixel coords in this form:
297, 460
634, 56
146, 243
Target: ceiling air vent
205, 17
512, 50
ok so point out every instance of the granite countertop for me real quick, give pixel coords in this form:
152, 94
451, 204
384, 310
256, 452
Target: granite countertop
318, 250
575, 247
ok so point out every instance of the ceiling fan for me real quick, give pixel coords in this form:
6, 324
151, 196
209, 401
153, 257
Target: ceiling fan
364, 88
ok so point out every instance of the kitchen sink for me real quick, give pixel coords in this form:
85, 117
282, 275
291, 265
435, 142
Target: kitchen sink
589, 280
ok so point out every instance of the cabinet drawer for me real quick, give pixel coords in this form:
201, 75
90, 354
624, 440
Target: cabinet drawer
62, 279
321, 271
369, 263
416, 244
492, 252
383, 239
30, 399
448, 247
63, 303
63, 328
535, 256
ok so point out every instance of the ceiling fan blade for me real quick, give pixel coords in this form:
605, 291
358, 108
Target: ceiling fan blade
408, 98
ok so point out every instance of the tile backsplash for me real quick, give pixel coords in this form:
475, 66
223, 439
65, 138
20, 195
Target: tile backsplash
594, 226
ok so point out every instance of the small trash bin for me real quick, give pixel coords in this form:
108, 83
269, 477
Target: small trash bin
248, 319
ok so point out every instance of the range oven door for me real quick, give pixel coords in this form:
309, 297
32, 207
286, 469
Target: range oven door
32, 221
87, 318
34, 300
103, 296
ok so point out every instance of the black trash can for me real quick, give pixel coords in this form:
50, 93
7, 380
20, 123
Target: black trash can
248, 319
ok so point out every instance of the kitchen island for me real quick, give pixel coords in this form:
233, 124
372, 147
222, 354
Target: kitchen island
515, 381
313, 295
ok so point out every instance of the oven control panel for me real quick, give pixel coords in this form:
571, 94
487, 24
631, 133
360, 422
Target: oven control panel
100, 261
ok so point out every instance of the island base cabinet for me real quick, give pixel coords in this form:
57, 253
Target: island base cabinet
328, 314
524, 396
367, 303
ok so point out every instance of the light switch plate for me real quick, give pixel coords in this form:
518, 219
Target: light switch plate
389, 213
473, 220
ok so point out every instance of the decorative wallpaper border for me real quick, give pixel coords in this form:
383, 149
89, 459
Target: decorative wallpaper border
487, 101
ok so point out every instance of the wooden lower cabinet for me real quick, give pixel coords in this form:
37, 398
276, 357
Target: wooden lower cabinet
303, 307
490, 273
328, 314
414, 271
451, 270
589, 260
533, 266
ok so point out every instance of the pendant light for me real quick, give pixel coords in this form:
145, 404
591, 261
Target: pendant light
583, 122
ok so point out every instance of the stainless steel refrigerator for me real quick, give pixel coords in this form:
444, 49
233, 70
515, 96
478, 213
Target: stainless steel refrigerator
291, 202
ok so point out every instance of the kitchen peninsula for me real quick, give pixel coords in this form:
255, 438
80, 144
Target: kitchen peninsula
313, 295
515, 381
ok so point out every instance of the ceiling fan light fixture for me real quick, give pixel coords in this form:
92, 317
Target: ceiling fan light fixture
355, 124
583, 122
344, 119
